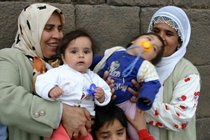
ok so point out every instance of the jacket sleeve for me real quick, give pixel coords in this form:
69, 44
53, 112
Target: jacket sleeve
45, 82
18, 106
182, 107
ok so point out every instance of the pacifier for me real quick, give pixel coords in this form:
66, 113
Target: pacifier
91, 89
146, 45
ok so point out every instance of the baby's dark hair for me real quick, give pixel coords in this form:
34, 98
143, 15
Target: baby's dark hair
107, 114
73, 35
160, 53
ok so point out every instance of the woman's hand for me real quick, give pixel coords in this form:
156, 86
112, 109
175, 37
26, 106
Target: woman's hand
134, 92
110, 82
75, 120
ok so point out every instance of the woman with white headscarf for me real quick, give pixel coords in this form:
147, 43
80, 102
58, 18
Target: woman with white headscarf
29, 117
172, 116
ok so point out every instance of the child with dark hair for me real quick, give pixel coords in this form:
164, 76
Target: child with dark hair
134, 62
73, 83
111, 123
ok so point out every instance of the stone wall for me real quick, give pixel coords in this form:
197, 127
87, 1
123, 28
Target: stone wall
113, 22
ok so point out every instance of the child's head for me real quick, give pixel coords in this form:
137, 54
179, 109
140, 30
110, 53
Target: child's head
76, 50
157, 50
110, 123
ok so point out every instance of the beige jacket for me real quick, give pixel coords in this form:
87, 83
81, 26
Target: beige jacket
27, 116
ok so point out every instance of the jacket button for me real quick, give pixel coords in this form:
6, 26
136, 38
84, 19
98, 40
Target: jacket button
42, 113
36, 115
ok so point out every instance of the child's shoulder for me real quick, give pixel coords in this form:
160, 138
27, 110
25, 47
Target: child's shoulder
113, 49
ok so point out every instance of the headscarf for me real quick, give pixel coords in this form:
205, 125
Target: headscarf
31, 23
179, 17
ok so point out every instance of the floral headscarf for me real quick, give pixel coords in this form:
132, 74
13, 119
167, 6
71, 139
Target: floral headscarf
177, 19
31, 23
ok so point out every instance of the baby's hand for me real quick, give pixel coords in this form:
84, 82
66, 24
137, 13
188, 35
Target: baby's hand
99, 94
55, 92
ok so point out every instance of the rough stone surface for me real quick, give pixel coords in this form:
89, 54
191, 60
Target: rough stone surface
140, 2
109, 25
203, 129
193, 3
204, 100
115, 22
198, 51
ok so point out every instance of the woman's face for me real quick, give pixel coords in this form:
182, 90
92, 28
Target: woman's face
51, 36
111, 131
169, 36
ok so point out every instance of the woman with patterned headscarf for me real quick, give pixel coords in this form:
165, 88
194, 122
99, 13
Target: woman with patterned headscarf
172, 116
28, 117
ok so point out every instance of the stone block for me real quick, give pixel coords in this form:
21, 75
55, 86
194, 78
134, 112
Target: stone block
193, 3
8, 17
140, 2
204, 100
109, 25
69, 13
199, 48
203, 129
89, 1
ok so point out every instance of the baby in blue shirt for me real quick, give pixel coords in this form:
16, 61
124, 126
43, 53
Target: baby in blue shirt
134, 62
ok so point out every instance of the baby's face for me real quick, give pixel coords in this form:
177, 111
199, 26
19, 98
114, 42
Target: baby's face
156, 46
78, 55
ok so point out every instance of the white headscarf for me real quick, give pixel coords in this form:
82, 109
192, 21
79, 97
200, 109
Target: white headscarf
167, 64
31, 23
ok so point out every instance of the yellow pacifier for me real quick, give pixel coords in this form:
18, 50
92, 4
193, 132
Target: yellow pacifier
146, 45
